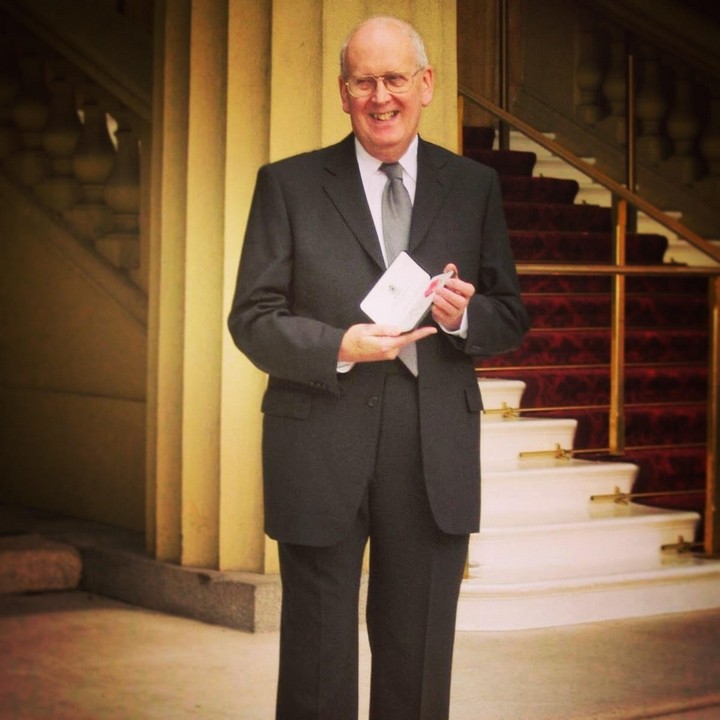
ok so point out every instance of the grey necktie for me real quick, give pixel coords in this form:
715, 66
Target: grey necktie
396, 215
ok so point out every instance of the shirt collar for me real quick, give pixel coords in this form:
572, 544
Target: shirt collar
369, 165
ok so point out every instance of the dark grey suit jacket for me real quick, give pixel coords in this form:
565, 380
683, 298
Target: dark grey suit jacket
310, 255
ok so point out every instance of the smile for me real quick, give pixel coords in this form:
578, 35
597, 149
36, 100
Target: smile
385, 116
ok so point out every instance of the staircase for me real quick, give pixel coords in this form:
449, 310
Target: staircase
565, 359
546, 555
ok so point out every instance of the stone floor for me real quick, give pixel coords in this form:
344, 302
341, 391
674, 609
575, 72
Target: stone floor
79, 656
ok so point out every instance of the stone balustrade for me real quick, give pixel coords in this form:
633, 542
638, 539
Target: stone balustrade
677, 106
72, 145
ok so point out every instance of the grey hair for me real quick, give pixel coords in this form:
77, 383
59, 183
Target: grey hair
406, 27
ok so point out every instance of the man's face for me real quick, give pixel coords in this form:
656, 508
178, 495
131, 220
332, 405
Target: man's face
384, 123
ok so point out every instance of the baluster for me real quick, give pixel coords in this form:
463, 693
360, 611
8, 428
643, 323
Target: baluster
683, 129
709, 186
60, 138
589, 76
30, 164
651, 107
9, 88
92, 163
615, 90
122, 194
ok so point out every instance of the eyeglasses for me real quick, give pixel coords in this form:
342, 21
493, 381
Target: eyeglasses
395, 83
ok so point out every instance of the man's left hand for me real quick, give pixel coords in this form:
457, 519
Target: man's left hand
451, 301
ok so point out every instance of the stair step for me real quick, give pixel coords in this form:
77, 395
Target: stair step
554, 167
644, 425
537, 598
549, 165
557, 217
575, 245
535, 189
594, 310
505, 162
592, 193
592, 347
674, 285
522, 143
557, 387
502, 442
501, 393
32, 563
549, 487
587, 536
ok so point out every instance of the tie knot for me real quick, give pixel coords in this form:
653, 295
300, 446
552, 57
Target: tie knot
394, 170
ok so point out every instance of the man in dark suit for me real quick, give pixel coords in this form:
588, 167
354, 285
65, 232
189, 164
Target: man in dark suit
355, 445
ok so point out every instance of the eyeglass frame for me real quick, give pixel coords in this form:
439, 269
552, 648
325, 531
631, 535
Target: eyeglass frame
377, 78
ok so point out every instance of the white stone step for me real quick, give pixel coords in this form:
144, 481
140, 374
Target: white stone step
500, 394
590, 193
680, 251
547, 164
586, 537
503, 443
549, 488
522, 143
673, 583
646, 224
554, 167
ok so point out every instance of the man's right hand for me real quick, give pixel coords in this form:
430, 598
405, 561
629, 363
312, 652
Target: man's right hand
371, 343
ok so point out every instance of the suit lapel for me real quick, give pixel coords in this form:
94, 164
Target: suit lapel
345, 189
430, 193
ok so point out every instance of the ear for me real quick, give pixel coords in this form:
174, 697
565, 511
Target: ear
344, 94
428, 85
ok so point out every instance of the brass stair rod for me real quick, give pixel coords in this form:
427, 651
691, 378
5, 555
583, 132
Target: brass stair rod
618, 496
712, 498
558, 452
616, 430
681, 546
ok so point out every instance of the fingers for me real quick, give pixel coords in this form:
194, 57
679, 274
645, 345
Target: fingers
370, 342
451, 301
417, 334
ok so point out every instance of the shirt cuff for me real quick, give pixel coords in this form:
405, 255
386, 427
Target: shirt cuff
344, 367
462, 331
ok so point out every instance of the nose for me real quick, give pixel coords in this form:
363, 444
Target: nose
381, 93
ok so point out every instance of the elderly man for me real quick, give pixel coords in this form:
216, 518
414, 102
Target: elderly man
370, 432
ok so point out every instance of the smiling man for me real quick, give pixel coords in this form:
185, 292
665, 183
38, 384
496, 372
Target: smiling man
370, 433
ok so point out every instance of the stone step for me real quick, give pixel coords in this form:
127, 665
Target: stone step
521, 599
549, 488
32, 563
585, 538
500, 394
504, 442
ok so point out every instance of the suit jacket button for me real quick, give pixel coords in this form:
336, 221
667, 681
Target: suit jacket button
372, 402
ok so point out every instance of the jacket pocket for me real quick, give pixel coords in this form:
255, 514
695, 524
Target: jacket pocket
286, 403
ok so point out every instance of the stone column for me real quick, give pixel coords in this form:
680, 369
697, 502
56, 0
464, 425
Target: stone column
225, 103
209, 137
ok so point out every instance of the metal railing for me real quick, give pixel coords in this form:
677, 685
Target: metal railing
618, 272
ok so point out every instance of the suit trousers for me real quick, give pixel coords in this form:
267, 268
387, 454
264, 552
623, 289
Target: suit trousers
415, 572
